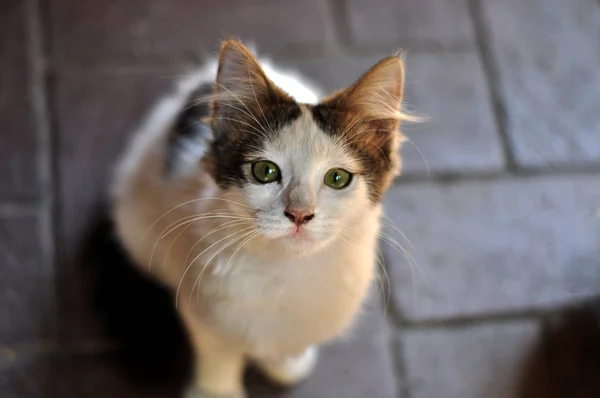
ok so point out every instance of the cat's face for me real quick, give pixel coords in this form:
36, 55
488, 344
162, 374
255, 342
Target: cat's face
304, 174
314, 193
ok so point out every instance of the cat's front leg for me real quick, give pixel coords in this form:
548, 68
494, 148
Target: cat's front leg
288, 371
219, 366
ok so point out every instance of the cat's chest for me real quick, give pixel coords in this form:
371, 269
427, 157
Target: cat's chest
279, 305
283, 284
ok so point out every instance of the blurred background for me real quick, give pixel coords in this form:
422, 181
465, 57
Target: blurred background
500, 198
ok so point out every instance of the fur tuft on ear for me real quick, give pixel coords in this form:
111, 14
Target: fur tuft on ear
377, 94
239, 73
370, 115
242, 89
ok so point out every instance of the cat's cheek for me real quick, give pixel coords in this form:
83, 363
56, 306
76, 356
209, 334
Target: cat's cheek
263, 196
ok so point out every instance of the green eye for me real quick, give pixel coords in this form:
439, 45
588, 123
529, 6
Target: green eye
265, 171
337, 178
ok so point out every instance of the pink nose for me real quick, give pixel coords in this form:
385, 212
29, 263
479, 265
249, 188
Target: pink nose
298, 217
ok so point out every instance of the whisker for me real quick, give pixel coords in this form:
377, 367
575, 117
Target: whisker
234, 253
405, 138
397, 245
198, 280
409, 258
180, 223
260, 133
225, 225
384, 287
420, 154
258, 104
392, 225
189, 266
197, 218
249, 113
188, 202
342, 136
378, 147
386, 298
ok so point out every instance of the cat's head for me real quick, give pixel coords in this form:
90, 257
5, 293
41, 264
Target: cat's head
305, 174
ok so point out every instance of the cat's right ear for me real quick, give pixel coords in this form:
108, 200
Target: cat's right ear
241, 87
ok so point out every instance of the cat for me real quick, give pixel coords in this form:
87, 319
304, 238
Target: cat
257, 203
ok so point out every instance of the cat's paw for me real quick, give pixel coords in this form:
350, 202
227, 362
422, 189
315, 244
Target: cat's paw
291, 370
198, 392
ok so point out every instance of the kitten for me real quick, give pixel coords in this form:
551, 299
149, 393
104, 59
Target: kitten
258, 205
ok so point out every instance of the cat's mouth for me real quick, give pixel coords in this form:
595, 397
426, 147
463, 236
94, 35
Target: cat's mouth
298, 233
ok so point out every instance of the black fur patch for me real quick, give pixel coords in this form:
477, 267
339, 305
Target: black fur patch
237, 135
328, 119
189, 129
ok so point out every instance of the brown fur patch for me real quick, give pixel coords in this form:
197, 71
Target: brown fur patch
367, 116
247, 109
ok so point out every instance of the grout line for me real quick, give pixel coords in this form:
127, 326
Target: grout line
499, 317
18, 353
394, 316
517, 174
19, 209
484, 41
402, 380
45, 139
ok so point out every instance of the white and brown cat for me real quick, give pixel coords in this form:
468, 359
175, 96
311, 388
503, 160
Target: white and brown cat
258, 204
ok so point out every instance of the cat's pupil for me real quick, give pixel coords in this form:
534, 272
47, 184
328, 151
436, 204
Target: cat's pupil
268, 170
337, 177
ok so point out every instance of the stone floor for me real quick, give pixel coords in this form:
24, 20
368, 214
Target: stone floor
501, 200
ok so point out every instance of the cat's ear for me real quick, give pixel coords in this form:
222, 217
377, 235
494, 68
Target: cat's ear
241, 85
377, 95
371, 112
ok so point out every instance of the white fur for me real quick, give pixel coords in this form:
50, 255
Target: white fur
275, 296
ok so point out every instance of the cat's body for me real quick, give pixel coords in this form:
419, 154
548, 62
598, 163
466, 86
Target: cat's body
248, 282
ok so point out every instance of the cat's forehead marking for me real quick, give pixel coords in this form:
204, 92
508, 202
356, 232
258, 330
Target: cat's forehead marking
303, 143
377, 160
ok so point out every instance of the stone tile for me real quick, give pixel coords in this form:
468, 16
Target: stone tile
12, 29
162, 27
27, 310
82, 376
96, 112
494, 246
548, 60
468, 362
460, 134
359, 365
410, 23
18, 147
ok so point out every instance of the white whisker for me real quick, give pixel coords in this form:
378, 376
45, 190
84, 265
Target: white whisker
189, 266
180, 223
235, 252
188, 202
225, 225
198, 280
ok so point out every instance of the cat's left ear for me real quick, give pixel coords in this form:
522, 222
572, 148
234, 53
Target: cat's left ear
377, 95
372, 110
242, 88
